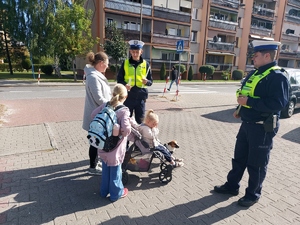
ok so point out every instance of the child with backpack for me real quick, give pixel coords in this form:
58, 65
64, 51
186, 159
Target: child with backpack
111, 181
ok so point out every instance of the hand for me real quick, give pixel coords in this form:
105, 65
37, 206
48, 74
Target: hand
235, 115
144, 80
128, 87
242, 100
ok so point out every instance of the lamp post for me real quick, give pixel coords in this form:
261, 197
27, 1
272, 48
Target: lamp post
141, 22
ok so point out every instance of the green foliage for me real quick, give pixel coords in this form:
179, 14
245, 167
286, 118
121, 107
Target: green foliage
162, 72
237, 74
226, 74
190, 73
46, 60
182, 67
208, 69
114, 69
26, 64
47, 69
15, 67
114, 45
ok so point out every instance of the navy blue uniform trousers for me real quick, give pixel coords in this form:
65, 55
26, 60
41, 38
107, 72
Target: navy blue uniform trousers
138, 106
252, 151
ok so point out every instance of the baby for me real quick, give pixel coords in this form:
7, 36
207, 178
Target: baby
149, 132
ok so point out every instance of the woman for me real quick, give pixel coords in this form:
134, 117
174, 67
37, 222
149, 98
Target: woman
97, 92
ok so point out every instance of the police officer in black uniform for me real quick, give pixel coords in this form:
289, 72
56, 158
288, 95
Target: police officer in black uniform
135, 74
264, 93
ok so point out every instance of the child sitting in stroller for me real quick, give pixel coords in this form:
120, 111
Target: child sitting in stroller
149, 132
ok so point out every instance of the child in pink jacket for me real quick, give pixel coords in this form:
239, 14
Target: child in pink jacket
111, 181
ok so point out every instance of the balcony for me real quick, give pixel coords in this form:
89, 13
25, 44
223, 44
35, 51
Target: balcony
288, 37
135, 35
294, 2
263, 12
169, 40
128, 7
289, 54
230, 4
172, 15
222, 46
260, 31
292, 18
223, 24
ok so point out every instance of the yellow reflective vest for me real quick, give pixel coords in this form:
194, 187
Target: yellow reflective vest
250, 85
133, 76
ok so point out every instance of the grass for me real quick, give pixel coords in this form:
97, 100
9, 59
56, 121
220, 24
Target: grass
67, 76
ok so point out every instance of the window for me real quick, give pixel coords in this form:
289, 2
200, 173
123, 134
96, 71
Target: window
125, 25
194, 36
176, 57
179, 32
109, 21
192, 58
164, 56
195, 14
172, 31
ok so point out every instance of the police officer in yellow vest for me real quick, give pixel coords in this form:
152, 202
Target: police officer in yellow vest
264, 93
135, 74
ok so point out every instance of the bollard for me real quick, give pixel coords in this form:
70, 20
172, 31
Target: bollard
39, 76
167, 80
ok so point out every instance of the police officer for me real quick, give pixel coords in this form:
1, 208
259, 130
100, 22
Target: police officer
135, 74
264, 93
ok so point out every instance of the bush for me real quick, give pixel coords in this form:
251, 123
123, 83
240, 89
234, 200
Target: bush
190, 74
237, 74
26, 64
162, 72
47, 69
182, 67
114, 69
208, 69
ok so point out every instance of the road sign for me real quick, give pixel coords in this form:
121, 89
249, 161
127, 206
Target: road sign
179, 46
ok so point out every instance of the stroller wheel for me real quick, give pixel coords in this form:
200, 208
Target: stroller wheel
125, 177
163, 166
165, 175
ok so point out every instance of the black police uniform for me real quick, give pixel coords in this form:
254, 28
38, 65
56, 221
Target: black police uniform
136, 96
253, 144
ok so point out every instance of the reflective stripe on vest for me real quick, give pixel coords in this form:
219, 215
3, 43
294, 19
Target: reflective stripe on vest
250, 85
133, 76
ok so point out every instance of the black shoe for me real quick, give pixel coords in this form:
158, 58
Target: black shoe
168, 89
223, 189
245, 202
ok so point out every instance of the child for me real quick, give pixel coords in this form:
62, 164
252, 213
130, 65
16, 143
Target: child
149, 132
111, 181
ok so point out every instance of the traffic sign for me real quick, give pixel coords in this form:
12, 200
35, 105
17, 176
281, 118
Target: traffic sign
179, 46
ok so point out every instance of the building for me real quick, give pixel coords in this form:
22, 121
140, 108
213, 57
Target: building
215, 32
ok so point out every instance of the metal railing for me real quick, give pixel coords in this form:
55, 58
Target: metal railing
261, 31
294, 2
127, 6
223, 46
223, 24
230, 4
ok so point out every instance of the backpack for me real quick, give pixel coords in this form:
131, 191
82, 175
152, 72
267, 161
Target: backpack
101, 129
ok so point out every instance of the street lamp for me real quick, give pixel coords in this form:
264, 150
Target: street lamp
141, 22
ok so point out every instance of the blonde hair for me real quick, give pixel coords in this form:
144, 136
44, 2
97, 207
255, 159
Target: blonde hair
151, 116
94, 59
119, 93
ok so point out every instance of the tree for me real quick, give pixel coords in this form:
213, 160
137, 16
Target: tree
162, 72
71, 33
207, 69
190, 73
114, 45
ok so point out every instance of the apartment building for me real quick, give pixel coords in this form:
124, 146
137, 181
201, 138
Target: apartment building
215, 32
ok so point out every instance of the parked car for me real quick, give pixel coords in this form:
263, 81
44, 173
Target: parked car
293, 76
294, 99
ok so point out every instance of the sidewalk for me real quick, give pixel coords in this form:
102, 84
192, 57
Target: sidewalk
44, 181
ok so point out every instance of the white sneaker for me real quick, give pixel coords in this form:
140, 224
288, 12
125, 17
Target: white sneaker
94, 171
99, 165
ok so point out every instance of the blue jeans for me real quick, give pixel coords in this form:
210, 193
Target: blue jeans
111, 182
172, 81
164, 151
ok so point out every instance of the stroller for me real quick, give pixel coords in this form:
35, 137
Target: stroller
139, 157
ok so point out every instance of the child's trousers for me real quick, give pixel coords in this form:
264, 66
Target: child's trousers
111, 182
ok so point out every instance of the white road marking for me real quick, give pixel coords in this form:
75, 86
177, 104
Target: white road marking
19, 91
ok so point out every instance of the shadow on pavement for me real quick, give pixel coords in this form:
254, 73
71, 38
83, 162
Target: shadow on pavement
223, 116
293, 135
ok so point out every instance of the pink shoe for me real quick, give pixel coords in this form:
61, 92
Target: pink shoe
125, 193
